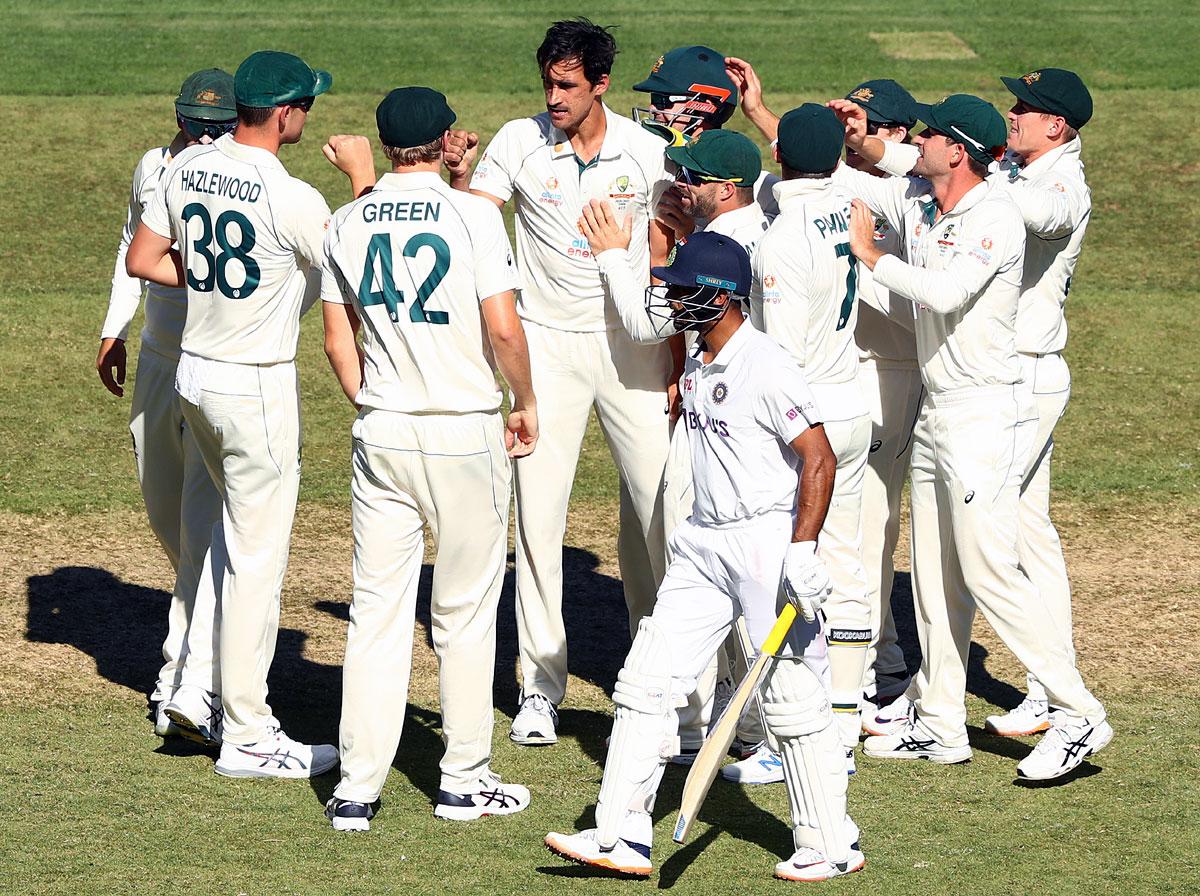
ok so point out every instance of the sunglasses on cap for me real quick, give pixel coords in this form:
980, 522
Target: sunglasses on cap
305, 103
699, 178
197, 128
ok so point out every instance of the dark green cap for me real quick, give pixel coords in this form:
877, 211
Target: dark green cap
721, 155
207, 96
1054, 90
810, 139
885, 102
270, 78
970, 121
688, 70
413, 116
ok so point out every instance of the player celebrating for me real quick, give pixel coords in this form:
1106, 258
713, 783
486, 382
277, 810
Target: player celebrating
754, 426
248, 235
804, 295
428, 272
967, 245
553, 164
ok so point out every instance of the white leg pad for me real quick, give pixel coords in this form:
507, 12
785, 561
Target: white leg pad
797, 710
644, 731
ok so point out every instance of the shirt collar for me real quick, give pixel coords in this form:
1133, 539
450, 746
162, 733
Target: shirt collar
730, 349
799, 188
252, 155
972, 198
1068, 150
730, 221
560, 143
408, 180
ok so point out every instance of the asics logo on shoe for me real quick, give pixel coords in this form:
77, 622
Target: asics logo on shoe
1073, 748
494, 797
274, 759
913, 744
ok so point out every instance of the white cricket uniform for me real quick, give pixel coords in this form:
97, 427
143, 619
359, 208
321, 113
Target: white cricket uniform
890, 381
416, 259
742, 409
249, 235
971, 443
181, 502
805, 282
580, 358
1056, 205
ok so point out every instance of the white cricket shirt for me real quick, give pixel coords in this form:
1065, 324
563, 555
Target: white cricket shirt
248, 233
742, 410
533, 161
416, 258
964, 273
805, 290
166, 306
884, 332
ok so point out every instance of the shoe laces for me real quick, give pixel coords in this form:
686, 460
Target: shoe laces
1032, 706
540, 704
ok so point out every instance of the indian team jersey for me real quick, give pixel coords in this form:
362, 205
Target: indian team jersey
742, 410
248, 233
1056, 205
805, 283
533, 161
416, 258
166, 306
963, 271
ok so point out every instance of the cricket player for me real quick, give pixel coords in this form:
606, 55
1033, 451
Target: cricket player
550, 165
804, 297
249, 235
715, 176
426, 272
763, 477
966, 245
181, 502
1043, 174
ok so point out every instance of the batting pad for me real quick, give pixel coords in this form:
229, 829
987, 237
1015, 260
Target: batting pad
796, 709
644, 732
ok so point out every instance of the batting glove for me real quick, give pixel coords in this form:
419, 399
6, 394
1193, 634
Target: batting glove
805, 580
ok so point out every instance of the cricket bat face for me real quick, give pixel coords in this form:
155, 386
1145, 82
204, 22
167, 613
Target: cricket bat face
716, 745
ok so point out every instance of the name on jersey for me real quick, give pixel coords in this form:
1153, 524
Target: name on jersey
401, 211
711, 424
831, 224
196, 181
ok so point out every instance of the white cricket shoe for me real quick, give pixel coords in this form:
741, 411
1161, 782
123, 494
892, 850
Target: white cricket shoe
1066, 744
888, 719
914, 741
347, 815
535, 724
488, 796
163, 726
744, 749
626, 857
808, 865
275, 756
763, 766
1031, 717
197, 713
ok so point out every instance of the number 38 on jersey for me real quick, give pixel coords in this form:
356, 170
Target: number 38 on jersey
378, 285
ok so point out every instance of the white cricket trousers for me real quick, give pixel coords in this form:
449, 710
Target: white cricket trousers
717, 573
452, 473
181, 504
847, 611
1048, 384
892, 390
969, 450
626, 383
247, 427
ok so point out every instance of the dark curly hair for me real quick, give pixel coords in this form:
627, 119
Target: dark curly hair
578, 40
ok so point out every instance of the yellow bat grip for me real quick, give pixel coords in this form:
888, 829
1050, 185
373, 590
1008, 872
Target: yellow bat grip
779, 630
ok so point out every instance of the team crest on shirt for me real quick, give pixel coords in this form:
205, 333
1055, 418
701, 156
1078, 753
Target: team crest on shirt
882, 228
720, 392
621, 192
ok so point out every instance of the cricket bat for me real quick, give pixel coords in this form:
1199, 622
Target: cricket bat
716, 745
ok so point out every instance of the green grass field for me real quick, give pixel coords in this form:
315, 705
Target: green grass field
94, 803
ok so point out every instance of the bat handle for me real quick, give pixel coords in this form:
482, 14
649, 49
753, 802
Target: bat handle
779, 630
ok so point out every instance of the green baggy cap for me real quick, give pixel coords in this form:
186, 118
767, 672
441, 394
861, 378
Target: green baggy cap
413, 116
885, 102
1054, 90
270, 78
720, 155
810, 139
970, 121
207, 95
